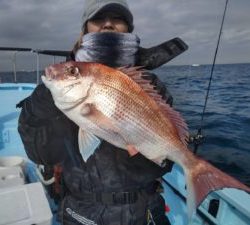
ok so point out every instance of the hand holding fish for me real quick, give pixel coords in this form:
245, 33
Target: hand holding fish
132, 150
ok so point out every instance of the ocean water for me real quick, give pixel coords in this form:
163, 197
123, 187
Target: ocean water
226, 124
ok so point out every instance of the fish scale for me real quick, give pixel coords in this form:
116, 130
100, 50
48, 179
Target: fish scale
138, 108
121, 115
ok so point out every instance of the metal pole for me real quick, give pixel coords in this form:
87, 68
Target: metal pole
54, 59
14, 66
37, 68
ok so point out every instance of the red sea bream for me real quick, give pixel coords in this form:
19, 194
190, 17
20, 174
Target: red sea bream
117, 105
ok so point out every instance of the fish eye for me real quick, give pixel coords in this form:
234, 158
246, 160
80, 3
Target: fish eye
72, 70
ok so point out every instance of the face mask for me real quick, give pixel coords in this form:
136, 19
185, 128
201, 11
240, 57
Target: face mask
111, 49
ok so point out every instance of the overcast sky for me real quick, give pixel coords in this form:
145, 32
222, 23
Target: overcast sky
55, 24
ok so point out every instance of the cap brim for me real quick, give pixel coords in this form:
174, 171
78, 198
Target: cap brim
117, 8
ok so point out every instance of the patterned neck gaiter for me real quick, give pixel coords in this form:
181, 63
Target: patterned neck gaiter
111, 49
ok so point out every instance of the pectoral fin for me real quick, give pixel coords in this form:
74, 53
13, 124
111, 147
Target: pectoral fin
87, 143
107, 128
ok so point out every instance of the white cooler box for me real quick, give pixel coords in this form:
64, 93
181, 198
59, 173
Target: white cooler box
11, 171
11, 177
24, 205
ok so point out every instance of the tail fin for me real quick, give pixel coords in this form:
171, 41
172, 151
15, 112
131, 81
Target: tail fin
204, 178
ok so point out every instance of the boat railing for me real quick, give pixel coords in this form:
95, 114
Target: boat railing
37, 53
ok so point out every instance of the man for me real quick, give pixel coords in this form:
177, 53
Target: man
111, 186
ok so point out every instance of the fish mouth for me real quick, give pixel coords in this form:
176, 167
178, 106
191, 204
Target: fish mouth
62, 85
69, 82
52, 74
49, 74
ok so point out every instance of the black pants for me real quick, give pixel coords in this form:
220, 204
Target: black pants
156, 207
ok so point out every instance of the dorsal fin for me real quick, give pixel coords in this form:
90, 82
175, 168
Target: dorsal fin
136, 74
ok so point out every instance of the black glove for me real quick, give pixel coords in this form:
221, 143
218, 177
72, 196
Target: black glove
44, 128
151, 58
142, 165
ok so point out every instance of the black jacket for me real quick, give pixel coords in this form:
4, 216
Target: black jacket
50, 138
